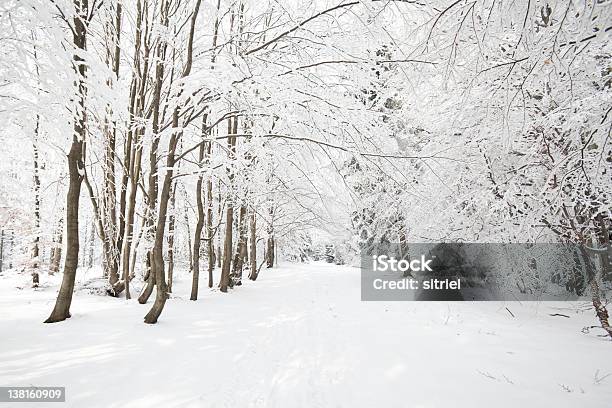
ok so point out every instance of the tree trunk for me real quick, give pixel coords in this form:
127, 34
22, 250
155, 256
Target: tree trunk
171, 226
220, 214
212, 256
227, 249
171, 230
147, 290
186, 219
253, 247
241, 247
270, 252
195, 276
600, 309
134, 174
270, 244
76, 170
209, 233
603, 234
114, 274
11, 245
1, 248
83, 245
61, 311
157, 261
196, 241
36, 244
56, 251
35, 267
113, 236
90, 254
109, 215
229, 212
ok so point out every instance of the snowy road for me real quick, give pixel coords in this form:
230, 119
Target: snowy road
300, 337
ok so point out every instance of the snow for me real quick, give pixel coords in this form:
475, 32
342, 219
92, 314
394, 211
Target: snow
301, 337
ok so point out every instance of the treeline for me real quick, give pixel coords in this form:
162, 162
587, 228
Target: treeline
160, 66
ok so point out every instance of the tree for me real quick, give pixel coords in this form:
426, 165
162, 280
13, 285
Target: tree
61, 311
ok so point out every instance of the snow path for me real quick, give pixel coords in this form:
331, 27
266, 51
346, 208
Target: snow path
300, 337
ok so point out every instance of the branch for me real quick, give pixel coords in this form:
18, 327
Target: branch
337, 147
63, 17
316, 64
309, 19
194, 17
438, 18
192, 148
513, 62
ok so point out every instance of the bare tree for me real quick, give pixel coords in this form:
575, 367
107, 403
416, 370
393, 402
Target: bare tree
61, 311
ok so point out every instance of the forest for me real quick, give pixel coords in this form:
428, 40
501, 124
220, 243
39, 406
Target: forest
236, 153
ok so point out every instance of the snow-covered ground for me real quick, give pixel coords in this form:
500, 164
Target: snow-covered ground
301, 337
